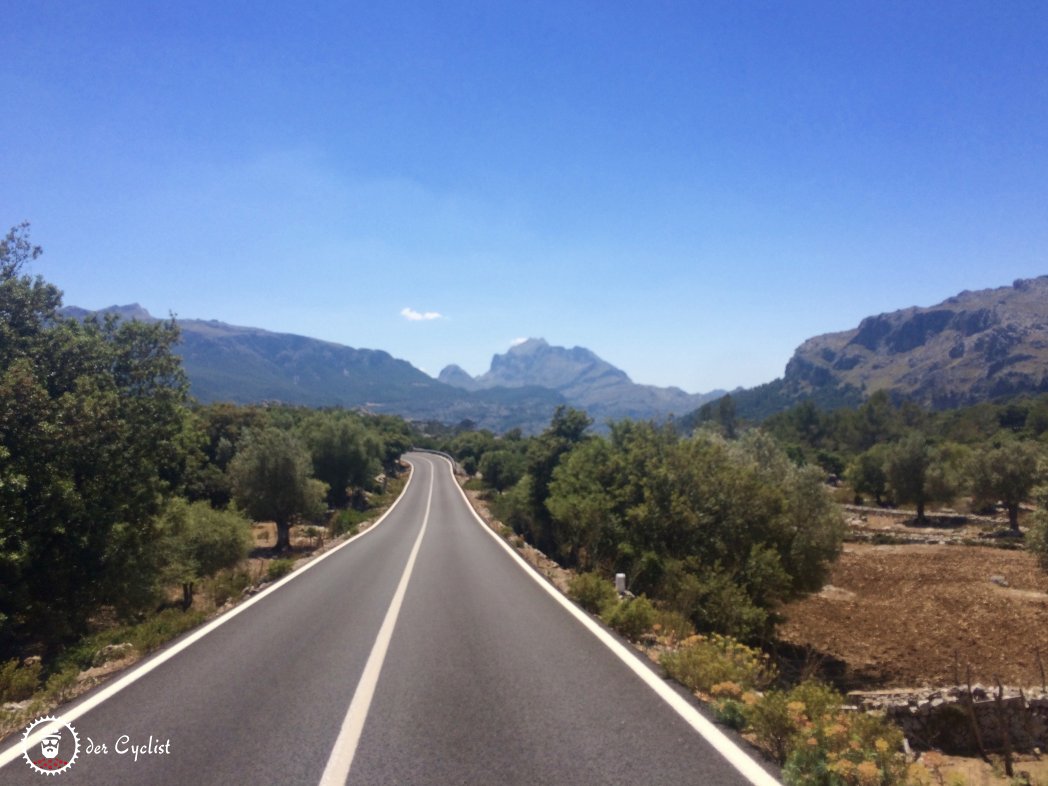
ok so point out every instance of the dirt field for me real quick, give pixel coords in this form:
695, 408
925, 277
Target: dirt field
915, 615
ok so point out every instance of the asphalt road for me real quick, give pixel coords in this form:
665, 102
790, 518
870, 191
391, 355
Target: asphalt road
421, 652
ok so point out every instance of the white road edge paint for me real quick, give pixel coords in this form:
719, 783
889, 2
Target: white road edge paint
138, 673
725, 746
345, 749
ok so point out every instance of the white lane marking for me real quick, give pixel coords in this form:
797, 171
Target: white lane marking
337, 769
138, 673
725, 746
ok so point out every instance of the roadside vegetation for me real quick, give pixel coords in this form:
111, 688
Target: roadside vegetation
126, 508
717, 529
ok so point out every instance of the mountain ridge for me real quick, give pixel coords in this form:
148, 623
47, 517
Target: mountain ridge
974, 346
582, 377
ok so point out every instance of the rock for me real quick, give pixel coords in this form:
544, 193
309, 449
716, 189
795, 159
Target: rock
1000, 581
112, 652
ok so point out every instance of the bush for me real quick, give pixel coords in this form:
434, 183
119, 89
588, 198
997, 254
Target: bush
19, 680
672, 626
347, 521
226, 584
161, 628
279, 568
704, 661
593, 592
632, 617
1037, 536
822, 745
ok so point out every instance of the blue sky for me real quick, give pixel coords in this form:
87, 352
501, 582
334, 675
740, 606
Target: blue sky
688, 189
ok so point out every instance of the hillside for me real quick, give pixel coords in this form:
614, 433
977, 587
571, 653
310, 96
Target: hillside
582, 378
972, 347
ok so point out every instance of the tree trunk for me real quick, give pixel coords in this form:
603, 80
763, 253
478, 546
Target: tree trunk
283, 536
920, 511
187, 595
1013, 516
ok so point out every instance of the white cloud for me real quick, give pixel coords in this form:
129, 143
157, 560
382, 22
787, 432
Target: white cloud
411, 315
517, 342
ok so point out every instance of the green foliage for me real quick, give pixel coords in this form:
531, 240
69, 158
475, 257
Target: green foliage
632, 617
226, 585
19, 680
1007, 473
345, 455
1037, 537
822, 745
593, 592
502, 468
723, 531
279, 568
196, 541
91, 423
272, 481
701, 662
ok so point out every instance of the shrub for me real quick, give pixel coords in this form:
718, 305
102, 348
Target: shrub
593, 592
161, 628
227, 584
632, 617
822, 745
704, 661
347, 521
672, 626
18, 680
279, 568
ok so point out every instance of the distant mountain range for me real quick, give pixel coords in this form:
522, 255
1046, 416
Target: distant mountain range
583, 379
975, 346
247, 365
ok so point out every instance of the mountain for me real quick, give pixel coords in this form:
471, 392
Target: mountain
975, 346
249, 365
582, 378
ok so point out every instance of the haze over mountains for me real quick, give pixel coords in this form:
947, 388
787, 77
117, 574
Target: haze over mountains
583, 379
245, 365
972, 347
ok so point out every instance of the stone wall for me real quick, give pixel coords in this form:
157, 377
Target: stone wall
941, 719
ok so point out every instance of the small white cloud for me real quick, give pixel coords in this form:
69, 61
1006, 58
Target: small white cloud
517, 342
411, 315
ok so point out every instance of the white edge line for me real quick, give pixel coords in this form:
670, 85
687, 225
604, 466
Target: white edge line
345, 748
138, 672
725, 746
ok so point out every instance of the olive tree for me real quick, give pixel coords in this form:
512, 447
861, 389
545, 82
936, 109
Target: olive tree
272, 481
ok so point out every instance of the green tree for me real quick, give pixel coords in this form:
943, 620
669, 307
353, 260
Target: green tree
272, 480
502, 468
1007, 473
91, 423
1037, 537
566, 430
346, 456
196, 541
867, 474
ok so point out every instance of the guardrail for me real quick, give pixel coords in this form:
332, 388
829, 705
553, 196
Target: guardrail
458, 469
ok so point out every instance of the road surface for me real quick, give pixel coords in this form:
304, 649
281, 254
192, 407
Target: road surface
421, 652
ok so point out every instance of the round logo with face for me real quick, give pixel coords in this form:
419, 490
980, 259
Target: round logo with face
56, 751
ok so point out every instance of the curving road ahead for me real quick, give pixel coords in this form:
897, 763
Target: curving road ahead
420, 652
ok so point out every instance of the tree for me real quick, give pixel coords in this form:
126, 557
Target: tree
91, 417
272, 480
197, 541
867, 474
1007, 473
919, 473
566, 429
502, 468
345, 455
